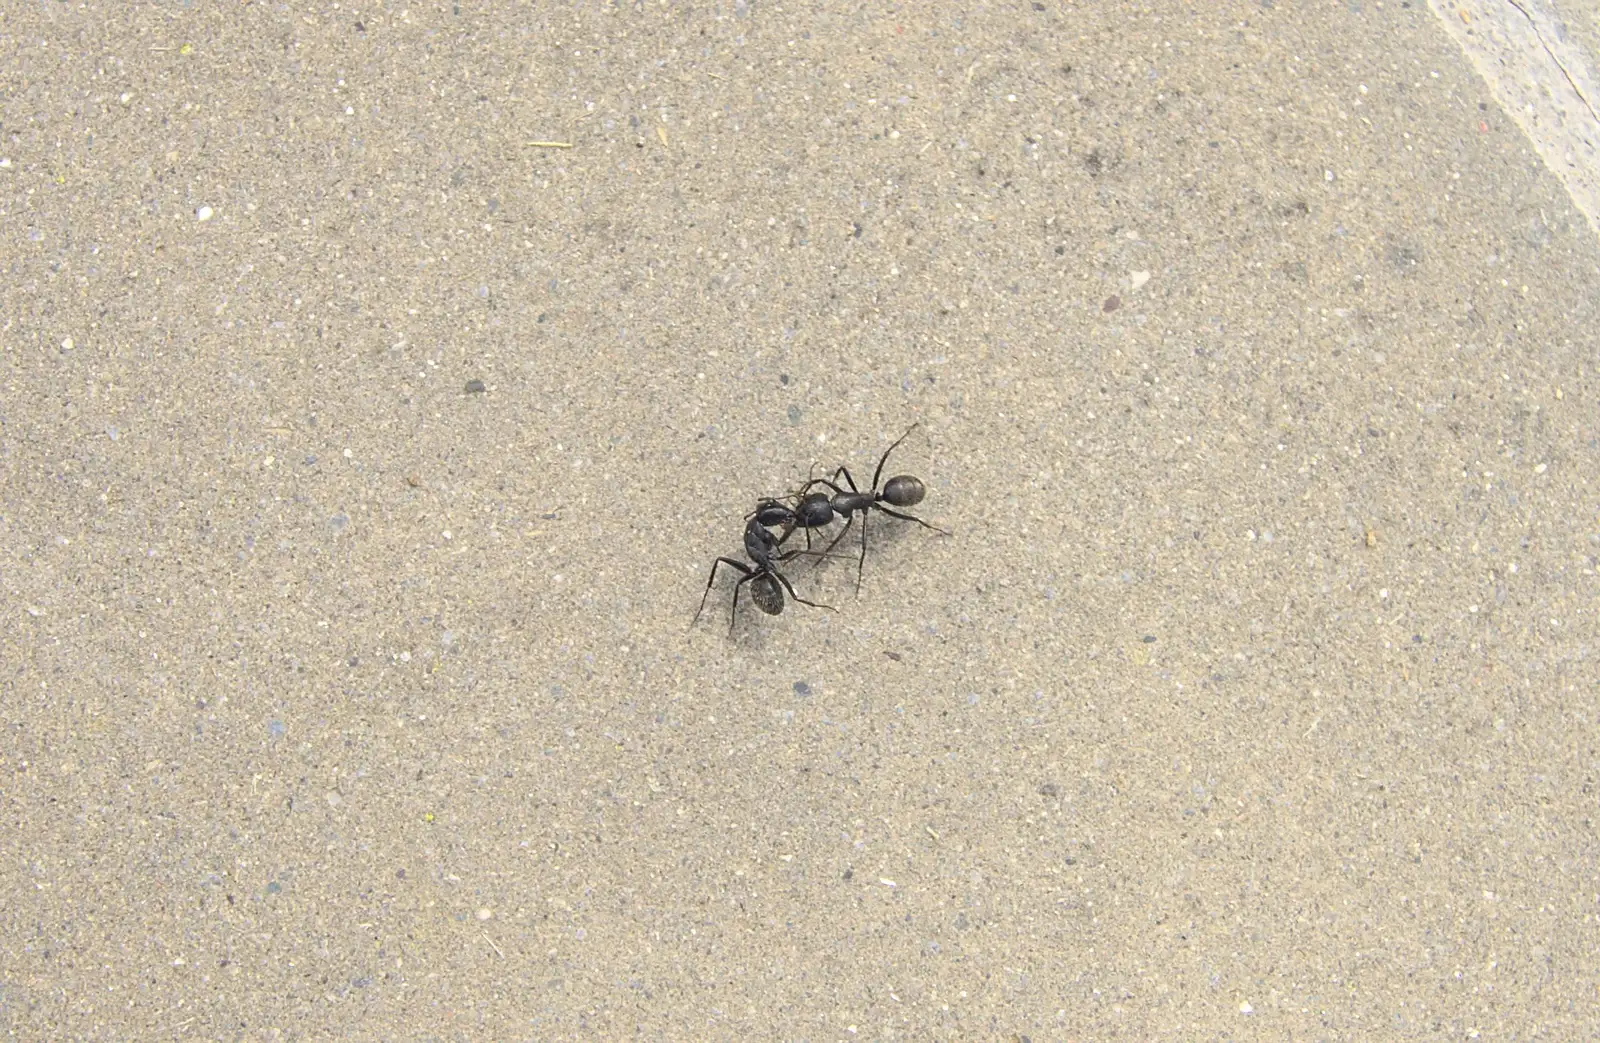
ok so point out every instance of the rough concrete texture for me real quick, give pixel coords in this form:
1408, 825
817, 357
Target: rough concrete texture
1255, 695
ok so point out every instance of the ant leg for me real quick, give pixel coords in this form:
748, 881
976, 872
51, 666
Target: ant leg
885, 457
861, 566
741, 566
781, 578
790, 555
733, 613
790, 532
812, 483
907, 517
849, 520
811, 480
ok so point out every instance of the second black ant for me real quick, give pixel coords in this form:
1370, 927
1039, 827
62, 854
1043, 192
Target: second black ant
767, 584
903, 490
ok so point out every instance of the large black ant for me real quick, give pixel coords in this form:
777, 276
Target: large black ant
903, 490
767, 584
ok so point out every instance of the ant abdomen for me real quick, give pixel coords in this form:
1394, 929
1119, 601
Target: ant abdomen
767, 595
904, 490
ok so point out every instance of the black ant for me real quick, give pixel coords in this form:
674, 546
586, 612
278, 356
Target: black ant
767, 584
903, 490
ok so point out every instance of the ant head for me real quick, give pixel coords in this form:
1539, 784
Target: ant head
771, 512
814, 510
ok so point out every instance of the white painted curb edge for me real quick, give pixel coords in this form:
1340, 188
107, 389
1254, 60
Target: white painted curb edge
1541, 81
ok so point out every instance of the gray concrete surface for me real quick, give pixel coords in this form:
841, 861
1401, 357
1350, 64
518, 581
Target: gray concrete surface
1254, 696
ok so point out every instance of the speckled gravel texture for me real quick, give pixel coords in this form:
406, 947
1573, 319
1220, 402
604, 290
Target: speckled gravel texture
1255, 695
